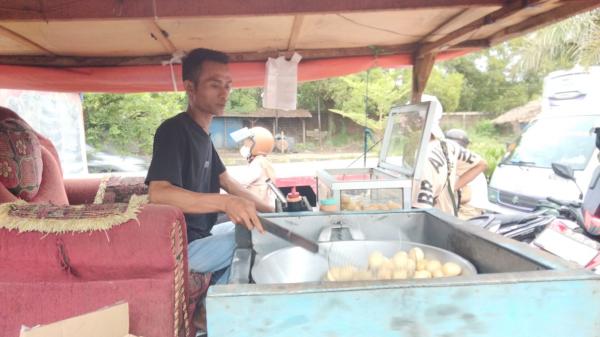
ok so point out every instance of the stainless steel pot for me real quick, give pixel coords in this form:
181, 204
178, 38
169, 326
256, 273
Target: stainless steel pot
297, 265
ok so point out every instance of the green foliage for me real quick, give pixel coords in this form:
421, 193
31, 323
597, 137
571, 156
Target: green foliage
126, 123
489, 84
446, 86
244, 100
378, 89
561, 46
489, 143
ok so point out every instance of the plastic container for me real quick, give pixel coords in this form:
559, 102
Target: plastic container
328, 205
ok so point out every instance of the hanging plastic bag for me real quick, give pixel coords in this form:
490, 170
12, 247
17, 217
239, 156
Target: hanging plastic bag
281, 83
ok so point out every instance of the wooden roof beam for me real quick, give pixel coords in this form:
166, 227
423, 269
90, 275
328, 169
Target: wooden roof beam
161, 36
118, 9
469, 44
296, 27
422, 66
463, 33
565, 11
23, 40
307, 54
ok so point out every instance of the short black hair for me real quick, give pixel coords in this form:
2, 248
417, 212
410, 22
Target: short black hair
192, 63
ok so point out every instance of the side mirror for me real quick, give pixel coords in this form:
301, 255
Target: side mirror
563, 171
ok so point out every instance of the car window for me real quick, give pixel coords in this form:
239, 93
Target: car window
566, 140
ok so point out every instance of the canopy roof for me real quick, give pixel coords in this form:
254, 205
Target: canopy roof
120, 45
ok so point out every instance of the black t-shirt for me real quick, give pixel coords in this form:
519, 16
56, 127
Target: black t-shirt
184, 155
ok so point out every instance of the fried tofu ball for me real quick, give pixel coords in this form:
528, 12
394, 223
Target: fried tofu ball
400, 260
376, 259
384, 274
433, 265
347, 273
400, 274
451, 269
422, 264
422, 274
416, 254
411, 266
333, 274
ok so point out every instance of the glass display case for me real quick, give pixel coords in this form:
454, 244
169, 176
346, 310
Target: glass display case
389, 185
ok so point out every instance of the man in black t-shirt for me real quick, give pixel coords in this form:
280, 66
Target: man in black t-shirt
187, 172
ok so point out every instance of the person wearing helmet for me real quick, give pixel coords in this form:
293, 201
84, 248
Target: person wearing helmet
459, 136
473, 196
257, 144
448, 168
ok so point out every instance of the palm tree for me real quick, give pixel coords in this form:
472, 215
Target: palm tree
570, 42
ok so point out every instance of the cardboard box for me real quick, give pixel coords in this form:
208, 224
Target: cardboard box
112, 321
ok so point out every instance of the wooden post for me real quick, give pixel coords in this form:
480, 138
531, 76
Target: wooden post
422, 66
303, 131
319, 118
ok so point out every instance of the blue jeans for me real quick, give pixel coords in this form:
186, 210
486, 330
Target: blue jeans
214, 252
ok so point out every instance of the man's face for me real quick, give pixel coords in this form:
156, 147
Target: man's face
212, 88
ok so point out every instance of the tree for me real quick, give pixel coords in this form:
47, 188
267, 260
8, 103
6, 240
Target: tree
244, 100
379, 89
489, 83
113, 121
446, 86
560, 46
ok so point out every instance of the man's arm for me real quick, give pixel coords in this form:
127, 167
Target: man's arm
239, 210
233, 187
470, 174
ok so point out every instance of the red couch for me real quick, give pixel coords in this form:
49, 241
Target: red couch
48, 273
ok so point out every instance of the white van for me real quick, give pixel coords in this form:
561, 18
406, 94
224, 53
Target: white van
560, 134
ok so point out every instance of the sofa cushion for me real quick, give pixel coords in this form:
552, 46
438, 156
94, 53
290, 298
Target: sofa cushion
20, 158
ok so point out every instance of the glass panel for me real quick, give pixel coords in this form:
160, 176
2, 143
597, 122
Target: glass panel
371, 199
405, 140
361, 175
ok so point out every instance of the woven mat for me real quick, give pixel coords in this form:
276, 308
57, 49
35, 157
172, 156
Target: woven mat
49, 218
119, 189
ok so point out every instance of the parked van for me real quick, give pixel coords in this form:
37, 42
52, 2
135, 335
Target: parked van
560, 134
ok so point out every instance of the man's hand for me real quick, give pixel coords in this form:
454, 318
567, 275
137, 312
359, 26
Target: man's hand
242, 212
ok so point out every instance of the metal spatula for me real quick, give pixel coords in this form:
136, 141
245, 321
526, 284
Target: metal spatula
333, 258
289, 235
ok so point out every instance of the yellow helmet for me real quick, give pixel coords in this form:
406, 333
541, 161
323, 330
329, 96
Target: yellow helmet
263, 141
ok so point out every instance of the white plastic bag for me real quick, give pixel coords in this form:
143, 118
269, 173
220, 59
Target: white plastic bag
281, 83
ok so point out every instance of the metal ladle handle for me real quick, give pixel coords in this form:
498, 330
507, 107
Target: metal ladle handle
277, 192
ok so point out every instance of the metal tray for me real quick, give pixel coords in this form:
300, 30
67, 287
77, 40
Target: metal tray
297, 265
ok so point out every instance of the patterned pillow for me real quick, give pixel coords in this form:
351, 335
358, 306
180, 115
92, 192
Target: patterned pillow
20, 158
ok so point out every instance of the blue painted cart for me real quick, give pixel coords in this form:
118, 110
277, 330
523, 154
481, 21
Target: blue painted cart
519, 291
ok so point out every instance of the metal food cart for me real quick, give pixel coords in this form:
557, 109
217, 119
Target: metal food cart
518, 291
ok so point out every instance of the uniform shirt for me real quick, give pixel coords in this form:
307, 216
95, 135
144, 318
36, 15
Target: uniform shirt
432, 190
255, 178
473, 198
184, 155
